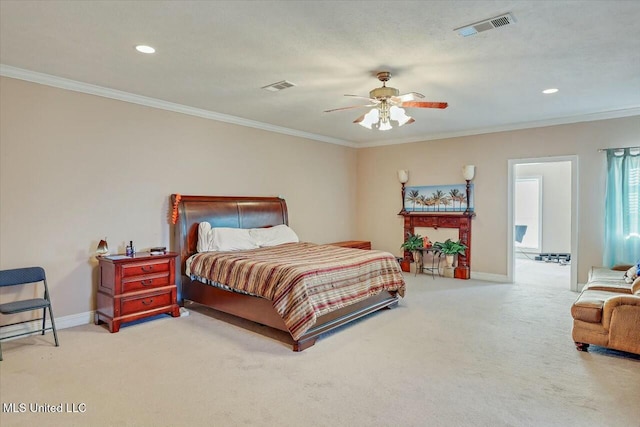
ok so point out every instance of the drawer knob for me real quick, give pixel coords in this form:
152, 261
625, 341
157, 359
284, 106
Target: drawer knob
147, 268
146, 282
147, 302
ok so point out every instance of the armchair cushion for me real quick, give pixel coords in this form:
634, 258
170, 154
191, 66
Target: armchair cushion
604, 279
588, 306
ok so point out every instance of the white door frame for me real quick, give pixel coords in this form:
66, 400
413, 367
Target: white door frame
574, 213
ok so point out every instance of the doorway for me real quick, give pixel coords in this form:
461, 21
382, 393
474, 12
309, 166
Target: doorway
542, 222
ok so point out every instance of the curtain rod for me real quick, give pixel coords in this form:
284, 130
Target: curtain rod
617, 148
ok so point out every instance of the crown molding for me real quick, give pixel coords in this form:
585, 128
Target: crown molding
589, 117
76, 86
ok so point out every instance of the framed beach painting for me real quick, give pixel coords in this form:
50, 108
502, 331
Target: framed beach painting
438, 198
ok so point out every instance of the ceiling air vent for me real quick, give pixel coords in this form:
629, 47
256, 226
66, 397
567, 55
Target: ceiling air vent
488, 24
275, 87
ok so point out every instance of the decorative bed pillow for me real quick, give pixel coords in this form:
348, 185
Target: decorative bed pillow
204, 237
231, 239
273, 236
631, 274
223, 239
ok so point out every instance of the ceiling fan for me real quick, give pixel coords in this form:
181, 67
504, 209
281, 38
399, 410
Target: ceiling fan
388, 106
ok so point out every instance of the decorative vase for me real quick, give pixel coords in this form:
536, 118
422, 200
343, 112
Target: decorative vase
448, 260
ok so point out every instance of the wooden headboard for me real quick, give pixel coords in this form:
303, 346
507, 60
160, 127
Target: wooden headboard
221, 211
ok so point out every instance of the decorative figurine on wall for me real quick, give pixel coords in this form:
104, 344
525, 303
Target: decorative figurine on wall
103, 248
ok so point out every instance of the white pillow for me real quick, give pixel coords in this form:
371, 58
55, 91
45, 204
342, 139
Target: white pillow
204, 237
273, 236
231, 239
223, 238
631, 274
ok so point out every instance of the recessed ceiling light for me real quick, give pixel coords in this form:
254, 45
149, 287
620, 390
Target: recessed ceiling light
549, 91
145, 49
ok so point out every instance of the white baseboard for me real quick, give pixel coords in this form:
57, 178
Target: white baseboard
489, 277
34, 325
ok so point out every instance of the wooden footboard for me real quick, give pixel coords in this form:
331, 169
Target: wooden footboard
261, 311
345, 315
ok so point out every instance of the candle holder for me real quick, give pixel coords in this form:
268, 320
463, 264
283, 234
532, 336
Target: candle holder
403, 177
468, 172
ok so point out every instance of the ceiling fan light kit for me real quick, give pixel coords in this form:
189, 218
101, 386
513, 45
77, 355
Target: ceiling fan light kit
398, 114
389, 106
380, 117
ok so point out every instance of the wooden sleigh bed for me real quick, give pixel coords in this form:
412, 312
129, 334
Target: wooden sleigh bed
250, 212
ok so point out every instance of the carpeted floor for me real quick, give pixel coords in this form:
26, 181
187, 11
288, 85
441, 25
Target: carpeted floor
541, 273
454, 353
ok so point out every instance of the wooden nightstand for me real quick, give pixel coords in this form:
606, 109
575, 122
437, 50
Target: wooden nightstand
356, 244
135, 287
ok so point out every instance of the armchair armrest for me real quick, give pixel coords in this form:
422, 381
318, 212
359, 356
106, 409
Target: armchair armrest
611, 304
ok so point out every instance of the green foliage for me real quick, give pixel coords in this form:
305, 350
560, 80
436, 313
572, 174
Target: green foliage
449, 247
413, 242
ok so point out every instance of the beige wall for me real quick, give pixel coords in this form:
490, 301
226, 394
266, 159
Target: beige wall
440, 162
75, 168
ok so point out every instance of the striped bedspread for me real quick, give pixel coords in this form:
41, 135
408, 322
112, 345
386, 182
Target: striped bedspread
303, 280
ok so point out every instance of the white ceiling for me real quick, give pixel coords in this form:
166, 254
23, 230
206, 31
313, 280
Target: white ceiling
214, 56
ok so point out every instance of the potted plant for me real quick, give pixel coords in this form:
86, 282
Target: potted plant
411, 244
450, 248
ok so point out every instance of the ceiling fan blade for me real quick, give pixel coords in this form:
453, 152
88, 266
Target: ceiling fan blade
419, 104
349, 108
359, 119
411, 96
365, 97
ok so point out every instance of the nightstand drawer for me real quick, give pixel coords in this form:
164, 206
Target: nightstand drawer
148, 281
147, 267
140, 303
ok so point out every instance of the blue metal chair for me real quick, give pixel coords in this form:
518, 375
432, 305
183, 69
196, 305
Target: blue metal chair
23, 276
